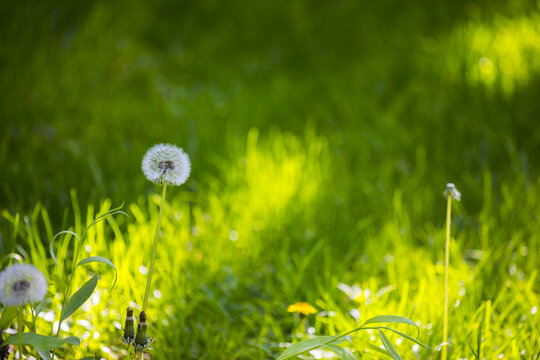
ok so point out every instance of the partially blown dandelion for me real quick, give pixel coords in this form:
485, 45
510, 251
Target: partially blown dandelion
452, 192
21, 284
166, 162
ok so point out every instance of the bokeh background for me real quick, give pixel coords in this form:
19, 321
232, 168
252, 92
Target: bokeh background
321, 134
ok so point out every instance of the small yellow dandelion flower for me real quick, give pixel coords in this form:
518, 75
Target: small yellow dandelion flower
303, 308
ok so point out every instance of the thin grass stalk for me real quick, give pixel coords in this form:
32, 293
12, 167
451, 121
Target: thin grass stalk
68, 288
446, 265
32, 311
151, 271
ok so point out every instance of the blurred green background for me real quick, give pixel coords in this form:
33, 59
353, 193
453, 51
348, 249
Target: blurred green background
321, 135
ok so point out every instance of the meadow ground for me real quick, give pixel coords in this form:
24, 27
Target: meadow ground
321, 135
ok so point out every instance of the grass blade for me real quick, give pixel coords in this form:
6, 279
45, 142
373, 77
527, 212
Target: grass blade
51, 245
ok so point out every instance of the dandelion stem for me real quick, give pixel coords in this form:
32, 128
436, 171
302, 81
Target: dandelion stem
21, 324
446, 264
150, 272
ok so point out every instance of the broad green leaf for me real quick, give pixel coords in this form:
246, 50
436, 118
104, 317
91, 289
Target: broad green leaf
42, 342
100, 260
77, 299
389, 347
307, 345
342, 353
8, 315
391, 319
87, 358
44, 305
51, 245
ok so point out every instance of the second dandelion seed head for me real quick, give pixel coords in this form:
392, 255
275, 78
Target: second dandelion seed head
452, 191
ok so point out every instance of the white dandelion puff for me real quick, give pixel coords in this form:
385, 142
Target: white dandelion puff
21, 284
452, 191
166, 162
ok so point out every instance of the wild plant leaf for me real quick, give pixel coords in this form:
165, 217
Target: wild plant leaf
342, 353
405, 336
42, 306
51, 245
87, 358
307, 345
77, 299
389, 347
391, 319
44, 354
41, 342
100, 260
8, 315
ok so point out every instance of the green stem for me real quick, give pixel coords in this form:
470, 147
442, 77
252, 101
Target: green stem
21, 326
446, 264
33, 318
32, 311
151, 271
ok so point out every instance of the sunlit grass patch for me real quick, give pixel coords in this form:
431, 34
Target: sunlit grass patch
214, 293
275, 178
500, 54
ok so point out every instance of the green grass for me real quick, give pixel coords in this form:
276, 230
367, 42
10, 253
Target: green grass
321, 137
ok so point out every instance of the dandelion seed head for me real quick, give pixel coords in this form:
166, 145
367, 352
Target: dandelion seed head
21, 284
166, 162
452, 191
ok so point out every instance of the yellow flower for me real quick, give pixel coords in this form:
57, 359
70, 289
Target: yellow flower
303, 308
